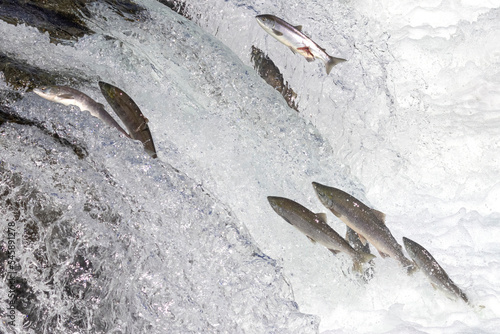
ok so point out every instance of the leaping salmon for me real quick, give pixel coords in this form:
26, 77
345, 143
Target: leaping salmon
130, 114
294, 38
431, 268
368, 223
314, 226
70, 96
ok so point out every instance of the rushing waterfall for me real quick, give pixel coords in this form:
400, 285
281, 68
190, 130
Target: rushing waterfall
98, 237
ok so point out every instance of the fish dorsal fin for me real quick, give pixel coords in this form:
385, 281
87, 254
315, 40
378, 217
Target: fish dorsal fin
277, 33
101, 105
299, 28
321, 216
312, 240
379, 215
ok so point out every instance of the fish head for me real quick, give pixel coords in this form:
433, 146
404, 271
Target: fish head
107, 89
334, 199
277, 203
325, 194
282, 206
45, 92
267, 22
55, 93
410, 247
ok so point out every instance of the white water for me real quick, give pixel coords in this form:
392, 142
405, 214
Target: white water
410, 124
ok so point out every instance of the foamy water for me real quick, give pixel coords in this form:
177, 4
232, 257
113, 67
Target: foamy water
409, 124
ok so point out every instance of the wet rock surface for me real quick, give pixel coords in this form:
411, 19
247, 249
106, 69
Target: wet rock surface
24, 77
177, 6
8, 116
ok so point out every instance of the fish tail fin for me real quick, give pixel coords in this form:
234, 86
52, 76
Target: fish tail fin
366, 257
463, 296
357, 266
362, 258
332, 61
411, 269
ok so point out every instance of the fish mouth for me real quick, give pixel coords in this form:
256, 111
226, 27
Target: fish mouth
318, 187
408, 247
103, 85
275, 204
271, 199
274, 201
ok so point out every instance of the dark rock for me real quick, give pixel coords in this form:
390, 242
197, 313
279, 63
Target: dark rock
8, 116
177, 6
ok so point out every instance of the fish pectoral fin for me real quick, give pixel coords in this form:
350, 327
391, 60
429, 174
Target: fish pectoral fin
142, 127
379, 215
312, 240
66, 96
310, 59
299, 28
434, 286
334, 251
293, 50
322, 216
277, 33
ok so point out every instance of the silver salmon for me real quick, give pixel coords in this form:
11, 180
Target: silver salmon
294, 38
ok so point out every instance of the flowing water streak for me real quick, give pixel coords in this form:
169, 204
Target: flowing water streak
233, 138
